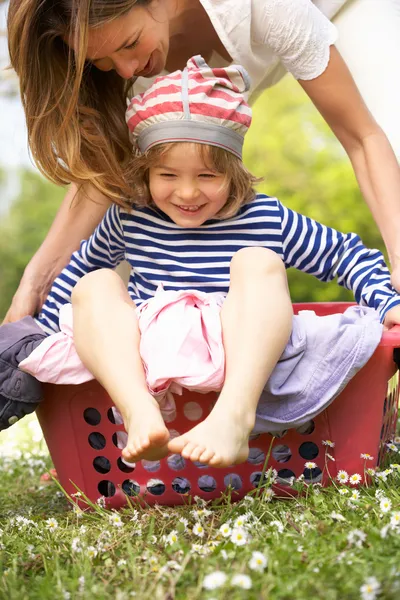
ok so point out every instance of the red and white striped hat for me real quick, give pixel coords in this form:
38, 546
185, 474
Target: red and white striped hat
198, 104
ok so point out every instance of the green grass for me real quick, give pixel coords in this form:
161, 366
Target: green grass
317, 545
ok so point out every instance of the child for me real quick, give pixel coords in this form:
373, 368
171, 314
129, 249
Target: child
219, 251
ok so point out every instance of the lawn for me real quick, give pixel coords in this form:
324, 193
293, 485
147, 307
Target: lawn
341, 542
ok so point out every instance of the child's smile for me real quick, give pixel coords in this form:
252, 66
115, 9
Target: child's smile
185, 188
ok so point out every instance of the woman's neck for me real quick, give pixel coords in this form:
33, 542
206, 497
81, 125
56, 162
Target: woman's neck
191, 33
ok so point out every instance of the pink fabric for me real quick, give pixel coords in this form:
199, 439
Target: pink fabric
189, 356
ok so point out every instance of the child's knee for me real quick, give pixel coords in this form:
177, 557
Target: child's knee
93, 284
257, 261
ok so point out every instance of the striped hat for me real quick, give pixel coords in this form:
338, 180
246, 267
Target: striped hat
198, 104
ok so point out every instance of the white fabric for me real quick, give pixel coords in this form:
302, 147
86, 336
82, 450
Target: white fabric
266, 35
368, 39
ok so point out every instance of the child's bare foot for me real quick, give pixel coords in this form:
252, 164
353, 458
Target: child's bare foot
220, 440
147, 434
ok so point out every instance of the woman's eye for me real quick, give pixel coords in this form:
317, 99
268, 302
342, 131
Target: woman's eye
168, 175
207, 175
132, 45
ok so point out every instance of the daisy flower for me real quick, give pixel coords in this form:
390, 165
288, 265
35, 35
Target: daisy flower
240, 521
343, 491
225, 530
91, 552
342, 476
371, 472
278, 525
385, 505
172, 537
370, 589
258, 561
51, 524
355, 494
328, 443
310, 465
330, 456
242, 581
366, 456
198, 530
356, 537
337, 516
355, 479
214, 580
239, 536
392, 447
395, 519
116, 520
121, 562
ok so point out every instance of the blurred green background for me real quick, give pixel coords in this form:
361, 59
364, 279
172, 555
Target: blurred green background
288, 144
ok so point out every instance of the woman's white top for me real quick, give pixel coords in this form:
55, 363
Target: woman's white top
272, 37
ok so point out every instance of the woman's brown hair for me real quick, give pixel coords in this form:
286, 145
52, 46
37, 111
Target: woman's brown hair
239, 181
74, 112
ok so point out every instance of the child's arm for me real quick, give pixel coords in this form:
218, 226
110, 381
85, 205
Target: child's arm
326, 253
104, 249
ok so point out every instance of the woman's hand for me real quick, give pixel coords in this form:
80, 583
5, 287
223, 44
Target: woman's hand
27, 300
392, 317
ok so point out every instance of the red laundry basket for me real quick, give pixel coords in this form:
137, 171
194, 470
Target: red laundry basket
79, 427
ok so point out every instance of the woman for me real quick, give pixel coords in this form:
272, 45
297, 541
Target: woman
76, 60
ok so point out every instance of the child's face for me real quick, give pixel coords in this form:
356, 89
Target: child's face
185, 188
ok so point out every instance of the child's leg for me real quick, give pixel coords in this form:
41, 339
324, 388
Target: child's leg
256, 323
107, 337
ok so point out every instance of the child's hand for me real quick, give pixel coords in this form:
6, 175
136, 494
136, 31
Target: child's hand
392, 317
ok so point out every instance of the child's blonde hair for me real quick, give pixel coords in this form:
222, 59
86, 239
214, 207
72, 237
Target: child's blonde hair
240, 181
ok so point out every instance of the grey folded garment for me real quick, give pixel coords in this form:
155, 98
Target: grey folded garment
20, 393
321, 357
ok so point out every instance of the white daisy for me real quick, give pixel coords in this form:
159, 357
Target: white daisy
225, 530
342, 476
198, 529
172, 537
240, 521
242, 581
356, 538
258, 561
370, 589
343, 491
239, 536
310, 465
337, 516
355, 479
91, 552
395, 519
278, 525
385, 505
116, 520
328, 443
214, 580
366, 456
51, 524
355, 494
121, 562
392, 447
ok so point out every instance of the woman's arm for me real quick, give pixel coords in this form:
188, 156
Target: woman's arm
77, 217
337, 98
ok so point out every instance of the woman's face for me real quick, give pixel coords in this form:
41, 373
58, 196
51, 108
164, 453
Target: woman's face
135, 44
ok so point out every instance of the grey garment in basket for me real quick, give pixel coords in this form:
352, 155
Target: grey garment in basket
322, 355
20, 393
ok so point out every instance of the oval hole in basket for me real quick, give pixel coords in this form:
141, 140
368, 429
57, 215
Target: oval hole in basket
181, 485
312, 475
97, 440
106, 488
306, 428
102, 464
92, 416
308, 450
233, 481
256, 456
285, 476
156, 487
114, 416
207, 483
281, 453
176, 462
151, 465
255, 479
192, 411
130, 487
125, 466
120, 439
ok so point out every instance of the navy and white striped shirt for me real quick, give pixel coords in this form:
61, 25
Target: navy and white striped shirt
159, 251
